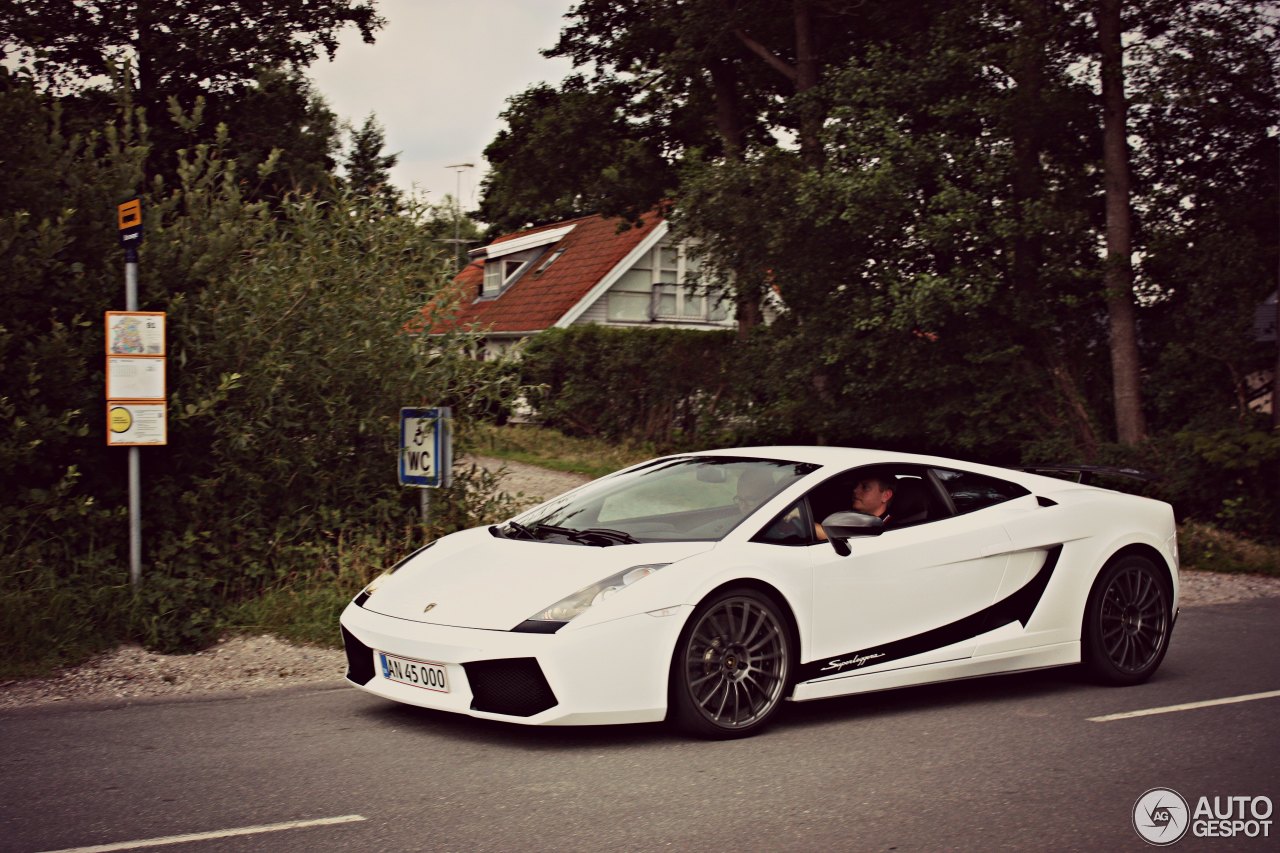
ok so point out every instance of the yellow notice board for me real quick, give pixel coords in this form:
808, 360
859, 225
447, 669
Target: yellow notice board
136, 422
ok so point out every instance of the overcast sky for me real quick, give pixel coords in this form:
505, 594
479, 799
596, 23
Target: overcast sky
437, 78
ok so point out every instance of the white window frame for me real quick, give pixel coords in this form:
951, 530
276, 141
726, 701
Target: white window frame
502, 271
709, 296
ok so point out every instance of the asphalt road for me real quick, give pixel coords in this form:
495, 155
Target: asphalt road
1013, 762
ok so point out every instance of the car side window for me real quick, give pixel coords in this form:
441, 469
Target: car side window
971, 492
789, 527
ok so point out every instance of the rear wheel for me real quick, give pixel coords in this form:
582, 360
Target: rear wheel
731, 666
1127, 621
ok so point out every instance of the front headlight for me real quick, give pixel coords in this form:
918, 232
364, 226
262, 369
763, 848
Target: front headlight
575, 605
373, 585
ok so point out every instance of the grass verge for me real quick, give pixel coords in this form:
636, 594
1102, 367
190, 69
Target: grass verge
548, 448
1211, 549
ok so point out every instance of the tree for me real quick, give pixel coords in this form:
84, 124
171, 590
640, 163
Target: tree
180, 50
279, 118
717, 82
286, 319
1204, 101
926, 186
367, 168
936, 255
573, 150
1125, 367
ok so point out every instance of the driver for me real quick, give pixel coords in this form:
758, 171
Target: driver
871, 495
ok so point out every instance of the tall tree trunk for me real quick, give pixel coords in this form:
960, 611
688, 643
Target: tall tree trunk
724, 87
1131, 427
1027, 185
806, 86
804, 76
747, 287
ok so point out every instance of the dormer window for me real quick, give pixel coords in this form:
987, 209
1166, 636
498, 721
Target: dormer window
501, 273
507, 260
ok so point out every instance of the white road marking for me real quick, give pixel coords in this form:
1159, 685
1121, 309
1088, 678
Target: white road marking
1189, 706
217, 833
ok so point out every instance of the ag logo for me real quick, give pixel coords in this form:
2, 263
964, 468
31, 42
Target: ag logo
1161, 816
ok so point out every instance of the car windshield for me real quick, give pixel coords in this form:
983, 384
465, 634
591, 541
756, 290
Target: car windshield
671, 500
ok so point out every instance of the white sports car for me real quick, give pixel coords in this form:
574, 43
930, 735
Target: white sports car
706, 588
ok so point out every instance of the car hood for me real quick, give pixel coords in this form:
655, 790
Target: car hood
473, 579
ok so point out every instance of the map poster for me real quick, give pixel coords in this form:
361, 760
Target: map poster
131, 422
131, 378
135, 333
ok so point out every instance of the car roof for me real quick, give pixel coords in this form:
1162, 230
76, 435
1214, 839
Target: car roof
841, 457
852, 457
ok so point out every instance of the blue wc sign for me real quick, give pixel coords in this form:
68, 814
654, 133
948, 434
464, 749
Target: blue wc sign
426, 447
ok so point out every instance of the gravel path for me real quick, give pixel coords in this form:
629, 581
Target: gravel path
533, 484
251, 664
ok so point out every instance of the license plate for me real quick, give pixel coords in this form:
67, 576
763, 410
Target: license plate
415, 673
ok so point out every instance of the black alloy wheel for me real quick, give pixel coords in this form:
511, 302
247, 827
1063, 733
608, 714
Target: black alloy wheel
732, 666
1127, 622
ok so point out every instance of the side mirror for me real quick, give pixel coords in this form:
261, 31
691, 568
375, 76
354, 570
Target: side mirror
840, 526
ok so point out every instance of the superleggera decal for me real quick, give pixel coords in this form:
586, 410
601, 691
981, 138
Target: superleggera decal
1017, 607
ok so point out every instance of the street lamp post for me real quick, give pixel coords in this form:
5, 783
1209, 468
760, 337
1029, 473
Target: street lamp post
457, 240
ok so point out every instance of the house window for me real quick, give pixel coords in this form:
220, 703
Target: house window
628, 299
663, 287
677, 293
549, 261
502, 272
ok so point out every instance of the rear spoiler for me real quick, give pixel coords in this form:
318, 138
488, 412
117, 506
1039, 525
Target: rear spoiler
1085, 474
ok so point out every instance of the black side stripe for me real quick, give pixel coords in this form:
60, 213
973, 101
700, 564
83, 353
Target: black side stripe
1017, 607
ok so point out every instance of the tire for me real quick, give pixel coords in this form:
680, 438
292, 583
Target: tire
732, 666
1127, 622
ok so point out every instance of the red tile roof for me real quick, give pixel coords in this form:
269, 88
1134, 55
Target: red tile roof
537, 299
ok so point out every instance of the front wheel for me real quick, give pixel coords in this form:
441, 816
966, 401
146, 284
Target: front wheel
1127, 622
731, 666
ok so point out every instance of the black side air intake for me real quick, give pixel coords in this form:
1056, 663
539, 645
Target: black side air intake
515, 686
359, 659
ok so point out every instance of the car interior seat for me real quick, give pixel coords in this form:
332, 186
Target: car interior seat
910, 502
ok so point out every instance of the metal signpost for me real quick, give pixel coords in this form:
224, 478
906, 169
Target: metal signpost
1266, 329
135, 353
426, 451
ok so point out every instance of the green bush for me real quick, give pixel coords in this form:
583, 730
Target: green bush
1228, 477
288, 362
665, 386
1207, 548
682, 390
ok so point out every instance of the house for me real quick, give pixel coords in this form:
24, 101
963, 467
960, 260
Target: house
584, 270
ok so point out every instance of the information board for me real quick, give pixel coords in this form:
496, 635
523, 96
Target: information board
136, 423
135, 333
130, 378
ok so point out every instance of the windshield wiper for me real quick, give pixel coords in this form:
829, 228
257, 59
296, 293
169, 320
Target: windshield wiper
521, 529
541, 530
615, 536
514, 527
599, 536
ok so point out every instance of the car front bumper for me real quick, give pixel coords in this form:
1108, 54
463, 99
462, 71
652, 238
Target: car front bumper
614, 672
